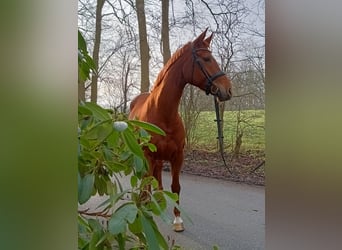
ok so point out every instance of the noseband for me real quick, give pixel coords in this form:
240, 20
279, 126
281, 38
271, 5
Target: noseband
210, 79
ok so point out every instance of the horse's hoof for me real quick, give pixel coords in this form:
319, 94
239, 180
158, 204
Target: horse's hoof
178, 224
178, 227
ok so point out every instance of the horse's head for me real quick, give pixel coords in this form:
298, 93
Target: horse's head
206, 73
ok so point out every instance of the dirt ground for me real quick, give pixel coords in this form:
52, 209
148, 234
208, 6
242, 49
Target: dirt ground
248, 168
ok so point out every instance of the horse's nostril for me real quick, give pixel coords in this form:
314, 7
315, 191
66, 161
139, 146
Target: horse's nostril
214, 90
230, 92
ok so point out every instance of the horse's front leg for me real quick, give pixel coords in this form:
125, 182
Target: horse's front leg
176, 165
147, 190
157, 173
154, 169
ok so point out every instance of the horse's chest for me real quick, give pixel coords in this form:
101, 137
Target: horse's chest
168, 146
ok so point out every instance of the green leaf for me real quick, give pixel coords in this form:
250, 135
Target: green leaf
154, 183
107, 153
138, 164
160, 199
83, 71
113, 138
103, 131
79, 184
151, 237
100, 184
122, 241
116, 166
83, 110
84, 123
148, 126
158, 206
95, 225
86, 188
94, 240
83, 225
132, 143
134, 181
102, 240
173, 196
131, 212
147, 180
152, 147
90, 62
85, 62
162, 242
111, 188
136, 226
117, 225
98, 112
143, 133
81, 42
123, 215
124, 156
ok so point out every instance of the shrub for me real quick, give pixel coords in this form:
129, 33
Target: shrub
108, 150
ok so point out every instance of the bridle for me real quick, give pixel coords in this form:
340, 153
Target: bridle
208, 90
210, 79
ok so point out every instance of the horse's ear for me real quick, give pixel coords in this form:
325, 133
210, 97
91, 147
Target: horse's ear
200, 38
208, 40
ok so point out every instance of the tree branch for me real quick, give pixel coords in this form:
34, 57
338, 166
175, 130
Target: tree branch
258, 166
103, 213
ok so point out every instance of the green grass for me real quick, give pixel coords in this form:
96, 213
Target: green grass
253, 127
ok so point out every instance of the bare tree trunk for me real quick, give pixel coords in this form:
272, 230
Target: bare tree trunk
144, 49
81, 90
165, 31
94, 78
126, 86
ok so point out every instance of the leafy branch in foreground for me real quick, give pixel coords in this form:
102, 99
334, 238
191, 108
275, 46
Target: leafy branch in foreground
108, 151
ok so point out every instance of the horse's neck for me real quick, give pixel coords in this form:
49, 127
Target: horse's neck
167, 95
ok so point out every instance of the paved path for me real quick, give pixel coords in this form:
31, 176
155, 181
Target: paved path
227, 214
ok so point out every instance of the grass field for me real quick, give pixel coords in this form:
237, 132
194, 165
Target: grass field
252, 124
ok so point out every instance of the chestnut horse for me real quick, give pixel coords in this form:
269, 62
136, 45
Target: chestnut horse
194, 64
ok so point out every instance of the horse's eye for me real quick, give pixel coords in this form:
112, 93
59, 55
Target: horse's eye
207, 59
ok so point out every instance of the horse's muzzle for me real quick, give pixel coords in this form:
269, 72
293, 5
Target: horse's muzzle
222, 93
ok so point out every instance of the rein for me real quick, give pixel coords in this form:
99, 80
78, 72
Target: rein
209, 84
220, 133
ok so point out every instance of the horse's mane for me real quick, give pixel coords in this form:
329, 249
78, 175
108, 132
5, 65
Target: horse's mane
179, 52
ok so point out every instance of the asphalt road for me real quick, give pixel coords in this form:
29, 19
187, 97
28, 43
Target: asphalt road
227, 214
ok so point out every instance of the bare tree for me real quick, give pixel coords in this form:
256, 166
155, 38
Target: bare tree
190, 112
81, 90
125, 81
96, 50
86, 13
144, 48
165, 31
118, 33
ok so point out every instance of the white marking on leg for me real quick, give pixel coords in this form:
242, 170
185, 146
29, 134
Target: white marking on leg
178, 220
